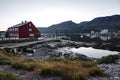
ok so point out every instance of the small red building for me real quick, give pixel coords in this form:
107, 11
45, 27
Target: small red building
23, 30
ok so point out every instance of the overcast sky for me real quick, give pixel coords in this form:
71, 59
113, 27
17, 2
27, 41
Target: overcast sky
44, 13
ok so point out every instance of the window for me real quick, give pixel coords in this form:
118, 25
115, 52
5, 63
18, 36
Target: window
17, 35
29, 25
14, 35
13, 29
31, 35
16, 29
10, 29
30, 29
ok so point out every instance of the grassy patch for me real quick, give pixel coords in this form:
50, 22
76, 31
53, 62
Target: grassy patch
7, 49
89, 64
8, 76
7, 58
27, 64
68, 69
96, 72
55, 60
63, 73
49, 71
4, 59
108, 59
5, 62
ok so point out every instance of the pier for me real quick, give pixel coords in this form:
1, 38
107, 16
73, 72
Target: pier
22, 44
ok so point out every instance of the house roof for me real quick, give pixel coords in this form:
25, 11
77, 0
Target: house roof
2, 31
20, 24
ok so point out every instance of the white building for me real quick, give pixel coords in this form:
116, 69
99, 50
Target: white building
2, 35
104, 31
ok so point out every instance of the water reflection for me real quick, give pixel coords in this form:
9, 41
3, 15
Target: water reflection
90, 52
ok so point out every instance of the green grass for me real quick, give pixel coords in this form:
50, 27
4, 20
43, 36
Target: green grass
49, 71
8, 76
90, 64
108, 59
96, 72
5, 62
70, 69
64, 74
26, 64
54, 60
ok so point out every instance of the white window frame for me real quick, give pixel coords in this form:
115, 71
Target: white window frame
31, 35
30, 29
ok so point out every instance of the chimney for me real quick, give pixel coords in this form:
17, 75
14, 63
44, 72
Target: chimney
22, 22
25, 21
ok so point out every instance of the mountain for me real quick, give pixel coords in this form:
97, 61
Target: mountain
112, 23
103, 21
109, 22
66, 26
43, 29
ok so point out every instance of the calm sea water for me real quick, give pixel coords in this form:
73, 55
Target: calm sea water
90, 52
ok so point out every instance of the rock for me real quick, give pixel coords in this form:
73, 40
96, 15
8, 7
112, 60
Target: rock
79, 56
51, 45
112, 70
30, 50
67, 55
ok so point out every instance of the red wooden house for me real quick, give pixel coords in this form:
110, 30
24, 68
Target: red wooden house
23, 30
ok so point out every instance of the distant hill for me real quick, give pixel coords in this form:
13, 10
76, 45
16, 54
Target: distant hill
109, 22
112, 23
66, 26
43, 29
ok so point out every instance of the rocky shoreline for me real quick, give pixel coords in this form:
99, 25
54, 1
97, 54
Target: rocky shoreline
49, 50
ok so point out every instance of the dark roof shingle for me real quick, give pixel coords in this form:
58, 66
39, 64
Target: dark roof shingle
19, 25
